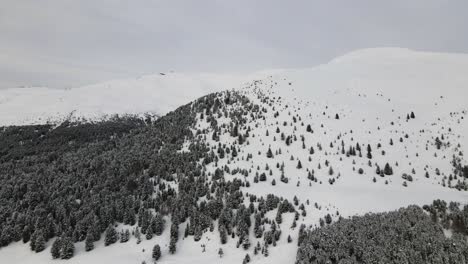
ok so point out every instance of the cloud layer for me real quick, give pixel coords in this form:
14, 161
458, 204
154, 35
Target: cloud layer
64, 43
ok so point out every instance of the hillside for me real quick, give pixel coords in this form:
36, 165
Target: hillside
372, 131
155, 95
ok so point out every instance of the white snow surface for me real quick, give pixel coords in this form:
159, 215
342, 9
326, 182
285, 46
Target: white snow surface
371, 90
396, 71
154, 94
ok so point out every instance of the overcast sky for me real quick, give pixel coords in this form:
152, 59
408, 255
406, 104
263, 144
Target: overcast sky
68, 43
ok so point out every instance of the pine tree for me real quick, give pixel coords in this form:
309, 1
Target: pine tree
156, 252
56, 247
159, 225
68, 249
111, 236
32, 243
299, 165
246, 259
240, 139
175, 229
328, 219
172, 246
246, 242
39, 242
149, 233
438, 143
388, 170
234, 152
124, 236
369, 152
235, 131
26, 234
223, 234
198, 233
265, 252
138, 235
89, 242
269, 153
220, 252
278, 217
311, 151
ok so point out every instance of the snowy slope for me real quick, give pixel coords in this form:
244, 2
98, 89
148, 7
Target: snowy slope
154, 94
372, 91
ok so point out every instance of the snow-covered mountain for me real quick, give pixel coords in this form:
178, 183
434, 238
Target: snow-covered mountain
400, 73
151, 94
371, 131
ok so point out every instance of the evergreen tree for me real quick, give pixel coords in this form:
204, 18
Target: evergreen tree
175, 229
149, 232
265, 252
26, 234
89, 242
388, 170
172, 246
328, 219
246, 259
124, 236
311, 151
299, 165
369, 152
234, 152
240, 139
111, 236
246, 242
138, 235
269, 153
156, 252
39, 242
438, 143
68, 249
159, 225
223, 234
32, 243
198, 233
235, 131
56, 247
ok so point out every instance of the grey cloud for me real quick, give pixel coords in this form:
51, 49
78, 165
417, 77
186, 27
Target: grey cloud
64, 43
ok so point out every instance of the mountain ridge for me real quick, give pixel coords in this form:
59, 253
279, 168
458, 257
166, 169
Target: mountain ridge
158, 94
